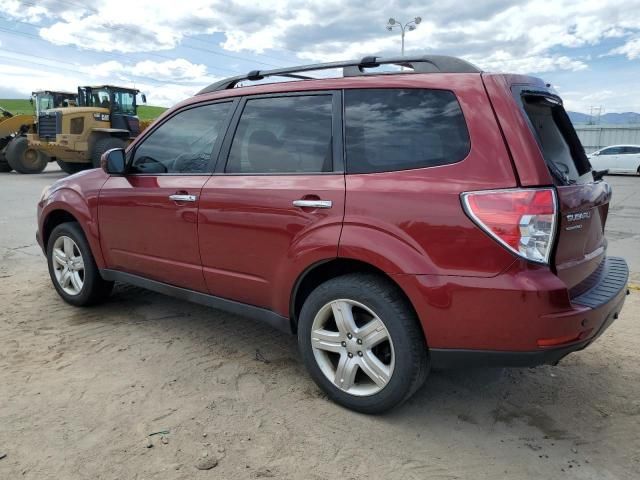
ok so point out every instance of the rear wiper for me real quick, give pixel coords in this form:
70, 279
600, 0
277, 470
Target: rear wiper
556, 172
598, 174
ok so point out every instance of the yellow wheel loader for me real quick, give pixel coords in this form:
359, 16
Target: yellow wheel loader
13, 129
75, 137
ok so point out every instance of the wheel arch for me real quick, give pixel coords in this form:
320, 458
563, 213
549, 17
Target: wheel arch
66, 205
52, 220
325, 270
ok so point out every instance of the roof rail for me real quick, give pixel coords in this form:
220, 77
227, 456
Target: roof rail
353, 68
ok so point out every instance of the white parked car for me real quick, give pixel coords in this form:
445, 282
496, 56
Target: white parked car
617, 159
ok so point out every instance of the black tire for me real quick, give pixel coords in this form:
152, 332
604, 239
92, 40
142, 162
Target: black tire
72, 167
409, 347
102, 145
4, 165
25, 160
94, 288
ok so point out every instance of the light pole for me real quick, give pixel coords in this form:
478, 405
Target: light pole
411, 25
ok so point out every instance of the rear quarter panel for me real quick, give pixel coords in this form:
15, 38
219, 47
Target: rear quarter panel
527, 157
412, 221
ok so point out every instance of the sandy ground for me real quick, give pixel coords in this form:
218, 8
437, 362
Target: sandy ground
81, 390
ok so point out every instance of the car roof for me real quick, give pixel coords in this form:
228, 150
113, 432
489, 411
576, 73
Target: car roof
353, 68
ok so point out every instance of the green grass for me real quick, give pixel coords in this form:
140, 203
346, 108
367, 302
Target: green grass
19, 106
148, 112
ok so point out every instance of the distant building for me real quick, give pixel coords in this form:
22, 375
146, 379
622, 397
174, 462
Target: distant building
595, 137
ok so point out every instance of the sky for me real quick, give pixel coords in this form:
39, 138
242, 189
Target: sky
589, 50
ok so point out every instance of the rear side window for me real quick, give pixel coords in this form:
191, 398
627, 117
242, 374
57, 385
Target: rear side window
400, 129
632, 150
283, 135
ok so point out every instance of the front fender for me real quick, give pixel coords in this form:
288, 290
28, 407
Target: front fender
77, 196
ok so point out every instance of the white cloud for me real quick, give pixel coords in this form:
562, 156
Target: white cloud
623, 99
322, 30
178, 69
501, 61
527, 36
168, 92
27, 11
170, 70
631, 49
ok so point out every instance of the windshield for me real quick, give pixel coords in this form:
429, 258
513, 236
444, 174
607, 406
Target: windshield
118, 101
45, 102
124, 102
99, 98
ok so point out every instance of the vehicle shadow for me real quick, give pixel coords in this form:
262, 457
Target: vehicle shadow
569, 416
547, 399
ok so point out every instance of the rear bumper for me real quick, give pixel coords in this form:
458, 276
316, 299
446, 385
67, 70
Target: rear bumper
523, 317
453, 358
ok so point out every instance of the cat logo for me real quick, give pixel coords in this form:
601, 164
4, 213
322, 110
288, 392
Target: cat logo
101, 117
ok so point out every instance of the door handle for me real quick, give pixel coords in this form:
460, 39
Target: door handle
313, 203
182, 198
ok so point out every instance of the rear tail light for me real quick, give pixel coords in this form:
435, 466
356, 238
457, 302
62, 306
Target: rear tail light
523, 220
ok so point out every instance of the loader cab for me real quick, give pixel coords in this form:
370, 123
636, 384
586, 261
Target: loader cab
47, 99
121, 103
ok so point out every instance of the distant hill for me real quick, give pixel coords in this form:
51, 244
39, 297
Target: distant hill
21, 106
625, 118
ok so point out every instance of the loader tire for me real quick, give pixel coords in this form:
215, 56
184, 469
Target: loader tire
23, 159
103, 145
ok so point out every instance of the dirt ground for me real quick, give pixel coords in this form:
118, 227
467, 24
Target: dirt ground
81, 390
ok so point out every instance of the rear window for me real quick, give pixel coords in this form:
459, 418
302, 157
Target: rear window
400, 129
557, 138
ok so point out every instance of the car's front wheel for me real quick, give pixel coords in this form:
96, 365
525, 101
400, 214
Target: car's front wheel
361, 342
73, 270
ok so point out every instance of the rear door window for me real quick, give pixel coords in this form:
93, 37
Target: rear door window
288, 134
401, 129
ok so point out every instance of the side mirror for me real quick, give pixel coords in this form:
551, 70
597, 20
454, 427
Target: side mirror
31, 100
144, 99
113, 161
595, 154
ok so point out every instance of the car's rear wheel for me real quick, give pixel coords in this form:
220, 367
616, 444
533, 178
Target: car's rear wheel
361, 342
73, 270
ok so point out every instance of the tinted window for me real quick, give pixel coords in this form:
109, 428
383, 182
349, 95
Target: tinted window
184, 143
612, 151
283, 135
631, 150
398, 129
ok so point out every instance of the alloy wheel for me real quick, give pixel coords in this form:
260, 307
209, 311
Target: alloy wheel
352, 347
68, 265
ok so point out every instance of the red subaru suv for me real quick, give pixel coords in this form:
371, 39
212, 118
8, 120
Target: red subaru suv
394, 220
